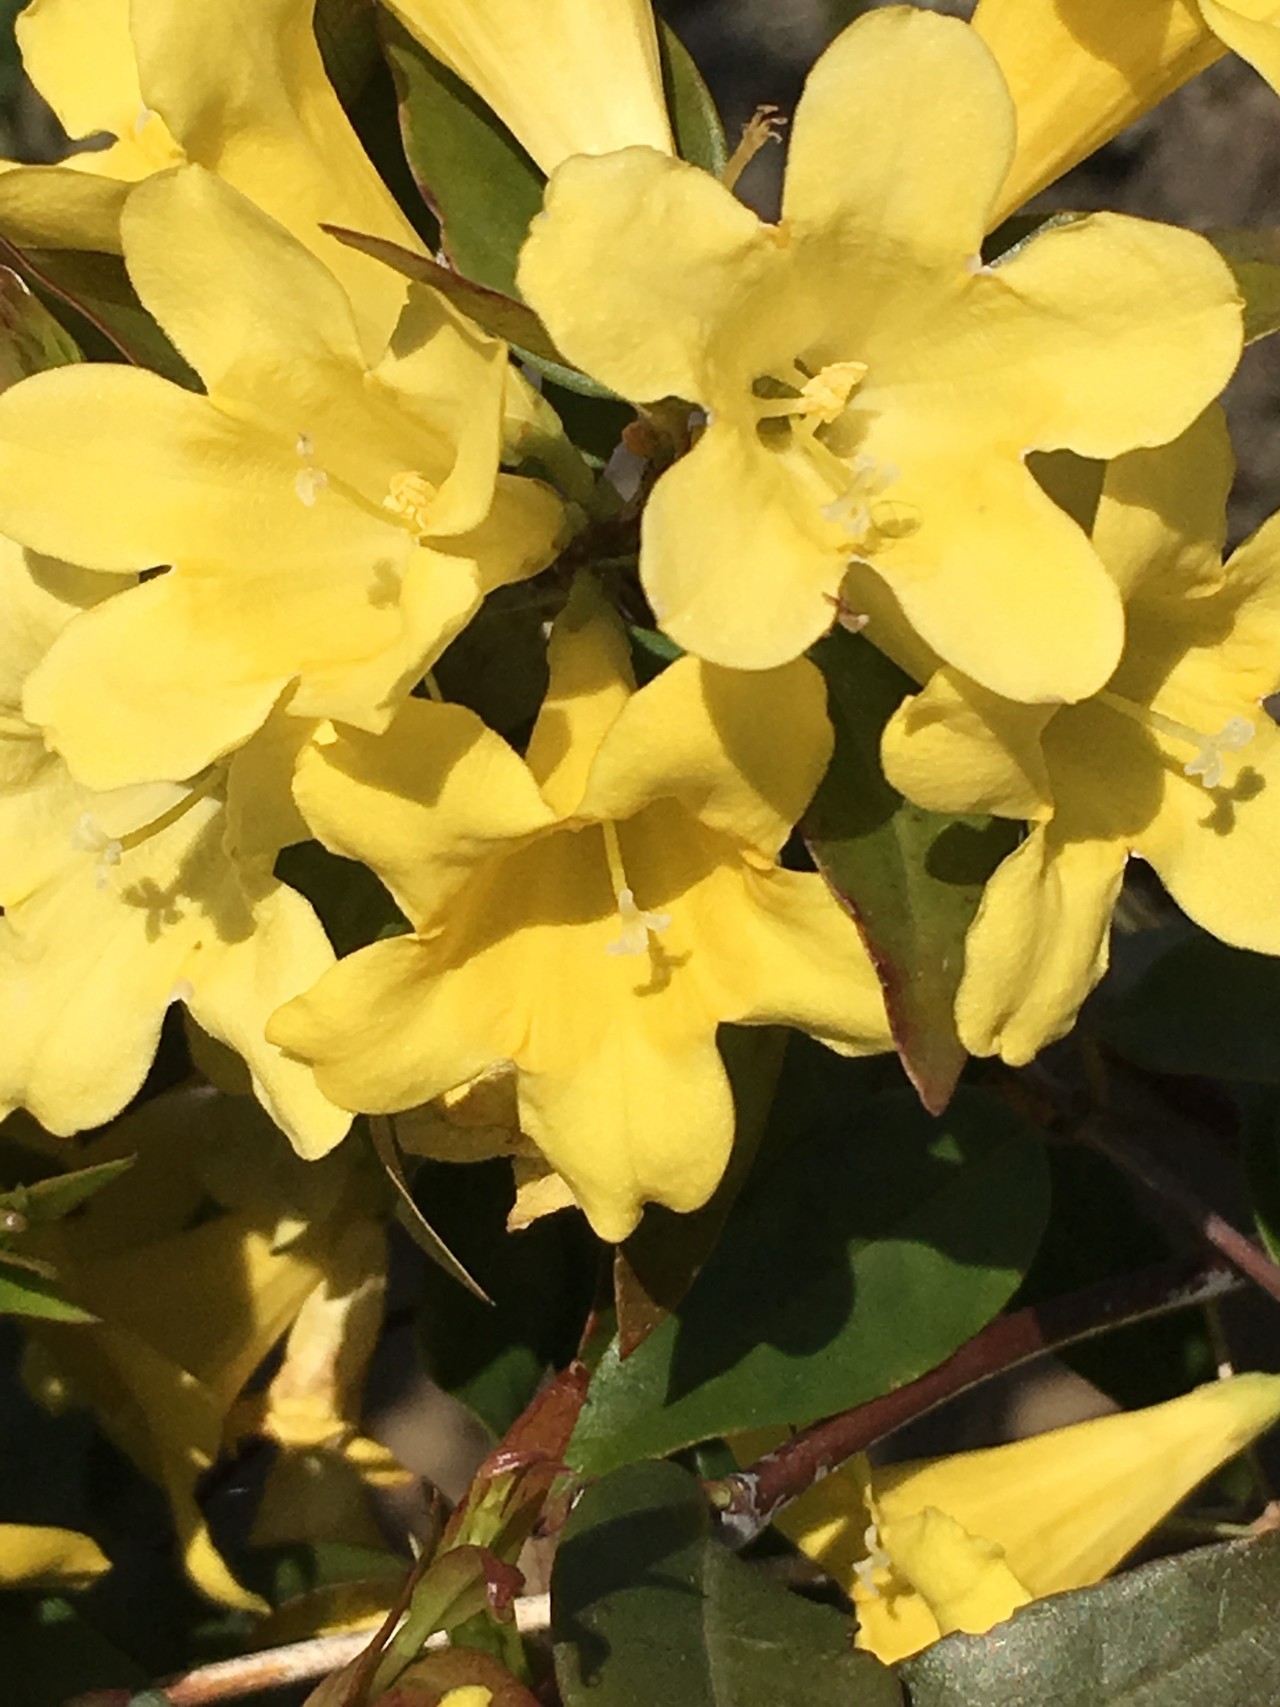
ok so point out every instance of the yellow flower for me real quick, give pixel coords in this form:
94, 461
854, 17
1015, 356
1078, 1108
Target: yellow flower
1081, 70
872, 389
331, 527
118, 904
591, 913
36, 1556
1175, 760
959, 1543
238, 87
564, 76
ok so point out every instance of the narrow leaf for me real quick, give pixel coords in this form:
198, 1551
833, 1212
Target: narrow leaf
50, 1199
911, 879
23, 1294
415, 1223
695, 121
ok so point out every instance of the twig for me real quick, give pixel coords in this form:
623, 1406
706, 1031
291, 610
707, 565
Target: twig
749, 1501
303, 1662
1157, 1180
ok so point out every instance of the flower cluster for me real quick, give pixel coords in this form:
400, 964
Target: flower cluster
232, 565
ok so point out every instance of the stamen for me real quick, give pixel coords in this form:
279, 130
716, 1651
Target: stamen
876, 1560
764, 126
88, 835
411, 497
1208, 762
309, 481
637, 924
819, 402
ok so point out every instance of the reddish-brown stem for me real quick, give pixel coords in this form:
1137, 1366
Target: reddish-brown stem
749, 1501
1175, 1194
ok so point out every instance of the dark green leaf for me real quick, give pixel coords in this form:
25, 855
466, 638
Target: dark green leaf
698, 131
31, 340
477, 180
649, 1606
25, 1294
97, 288
912, 879
814, 1298
1199, 1008
1254, 258
53, 1651
542, 1280
348, 37
354, 908
1260, 1134
1196, 1631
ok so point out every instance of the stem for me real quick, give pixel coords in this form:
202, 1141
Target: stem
1249, 1259
749, 1501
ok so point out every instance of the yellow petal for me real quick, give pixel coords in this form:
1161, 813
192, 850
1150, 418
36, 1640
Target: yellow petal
743, 752
1081, 70
902, 139
656, 329
734, 569
954, 747
591, 682
53, 207
422, 804
569, 79
79, 55
32, 1555
1250, 28
244, 91
1069, 1505
1039, 943
1162, 516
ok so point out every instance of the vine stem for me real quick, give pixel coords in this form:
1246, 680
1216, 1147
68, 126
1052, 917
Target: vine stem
748, 1501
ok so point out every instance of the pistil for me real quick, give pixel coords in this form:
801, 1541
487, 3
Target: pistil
1207, 761
88, 836
637, 924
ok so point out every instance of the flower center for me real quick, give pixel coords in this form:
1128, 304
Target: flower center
637, 925
802, 415
411, 497
1207, 761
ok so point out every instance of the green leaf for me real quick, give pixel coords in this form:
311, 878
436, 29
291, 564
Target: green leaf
354, 907
656, 1267
31, 340
812, 1300
480, 184
1200, 1008
25, 1294
97, 288
50, 1199
912, 879
1260, 1140
649, 1606
1196, 1631
411, 1218
695, 121
1254, 258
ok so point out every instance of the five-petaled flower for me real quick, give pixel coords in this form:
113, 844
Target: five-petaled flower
871, 388
591, 912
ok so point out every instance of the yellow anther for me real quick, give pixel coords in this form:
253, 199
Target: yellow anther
411, 496
826, 396
1207, 761
637, 924
876, 1560
309, 483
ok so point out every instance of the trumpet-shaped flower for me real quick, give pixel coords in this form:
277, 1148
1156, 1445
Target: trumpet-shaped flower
590, 913
959, 1543
237, 86
118, 904
1081, 70
331, 526
569, 77
1175, 759
872, 389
